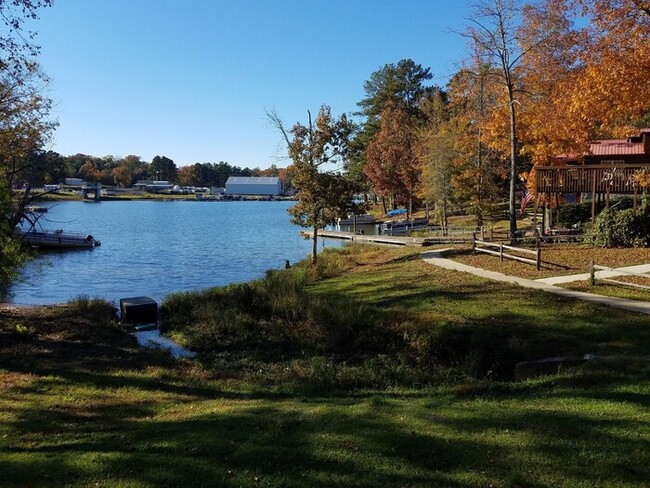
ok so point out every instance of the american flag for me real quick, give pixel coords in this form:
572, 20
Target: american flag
524, 201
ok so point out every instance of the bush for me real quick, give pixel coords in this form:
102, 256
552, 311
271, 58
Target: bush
102, 310
12, 256
623, 228
574, 214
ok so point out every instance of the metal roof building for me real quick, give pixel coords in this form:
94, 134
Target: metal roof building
253, 185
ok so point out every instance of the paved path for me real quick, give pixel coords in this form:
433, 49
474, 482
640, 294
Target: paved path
610, 273
436, 258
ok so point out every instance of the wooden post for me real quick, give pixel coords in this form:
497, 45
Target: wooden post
474, 243
592, 273
593, 197
501, 251
539, 254
535, 229
482, 233
491, 233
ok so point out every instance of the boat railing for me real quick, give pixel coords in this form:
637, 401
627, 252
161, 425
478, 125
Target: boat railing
56, 233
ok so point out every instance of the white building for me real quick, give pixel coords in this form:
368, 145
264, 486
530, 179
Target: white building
253, 185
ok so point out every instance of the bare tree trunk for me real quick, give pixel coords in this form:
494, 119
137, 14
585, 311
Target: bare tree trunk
479, 186
314, 246
445, 220
410, 212
513, 166
479, 152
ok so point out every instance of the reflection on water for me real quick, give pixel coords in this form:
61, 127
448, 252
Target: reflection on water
154, 248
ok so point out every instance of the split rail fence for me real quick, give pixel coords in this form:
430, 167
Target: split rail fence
593, 268
497, 249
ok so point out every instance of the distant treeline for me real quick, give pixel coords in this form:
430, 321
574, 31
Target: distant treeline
125, 171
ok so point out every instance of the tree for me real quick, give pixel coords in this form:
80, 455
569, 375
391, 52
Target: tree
391, 163
543, 121
10, 253
480, 169
323, 194
401, 83
122, 175
286, 177
24, 124
90, 172
397, 84
186, 175
494, 32
437, 155
162, 168
612, 88
136, 166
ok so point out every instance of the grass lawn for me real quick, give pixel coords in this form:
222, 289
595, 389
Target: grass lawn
81, 405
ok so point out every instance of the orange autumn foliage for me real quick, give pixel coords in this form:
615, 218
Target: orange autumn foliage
595, 83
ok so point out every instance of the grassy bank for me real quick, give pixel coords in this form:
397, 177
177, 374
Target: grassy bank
374, 369
373, 318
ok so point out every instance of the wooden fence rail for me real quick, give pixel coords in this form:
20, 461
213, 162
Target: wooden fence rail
489, 248
592, 276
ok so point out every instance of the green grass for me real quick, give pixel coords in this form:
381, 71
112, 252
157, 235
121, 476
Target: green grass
425, 399
613, 290
162, 428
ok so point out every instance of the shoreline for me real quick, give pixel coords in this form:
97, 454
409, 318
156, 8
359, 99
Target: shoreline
163, 198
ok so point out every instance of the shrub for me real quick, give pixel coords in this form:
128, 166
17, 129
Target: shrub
99, 308
575, 214
12, 256
623, 228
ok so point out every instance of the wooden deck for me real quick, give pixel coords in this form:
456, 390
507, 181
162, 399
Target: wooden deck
384, 239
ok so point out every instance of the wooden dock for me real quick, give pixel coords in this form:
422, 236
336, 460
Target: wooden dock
384, 239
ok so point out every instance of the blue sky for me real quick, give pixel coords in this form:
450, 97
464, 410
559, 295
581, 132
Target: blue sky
191, 79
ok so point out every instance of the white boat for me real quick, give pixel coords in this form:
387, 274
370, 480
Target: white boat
57, 239
364, 219
403, 226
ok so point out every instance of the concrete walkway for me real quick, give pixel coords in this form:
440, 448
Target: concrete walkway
610, 273
436, 258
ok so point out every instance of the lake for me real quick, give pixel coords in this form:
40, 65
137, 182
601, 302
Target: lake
154, 248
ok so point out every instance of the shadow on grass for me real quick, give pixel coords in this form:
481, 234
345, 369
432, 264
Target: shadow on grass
272, 445
343, 442
587, 444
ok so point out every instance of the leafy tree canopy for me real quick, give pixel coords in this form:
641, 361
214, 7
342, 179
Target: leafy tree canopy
323, 195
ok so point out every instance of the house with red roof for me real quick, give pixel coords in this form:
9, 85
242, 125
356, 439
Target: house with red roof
607, 167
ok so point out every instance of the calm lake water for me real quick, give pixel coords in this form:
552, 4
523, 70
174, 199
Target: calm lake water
155, 248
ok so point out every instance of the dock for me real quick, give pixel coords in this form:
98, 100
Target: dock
386, 239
